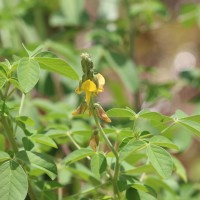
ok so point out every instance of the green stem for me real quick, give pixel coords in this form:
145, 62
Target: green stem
30, 191
117, 166
21, 104
9, 134
73, 141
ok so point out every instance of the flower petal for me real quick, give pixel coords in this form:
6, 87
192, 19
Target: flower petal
87, 97
88, 86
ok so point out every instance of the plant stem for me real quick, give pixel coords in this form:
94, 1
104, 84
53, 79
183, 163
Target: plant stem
21, 104
73, 141
30, 191
9, 134
117, 166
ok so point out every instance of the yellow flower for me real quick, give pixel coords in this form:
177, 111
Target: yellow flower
89, 87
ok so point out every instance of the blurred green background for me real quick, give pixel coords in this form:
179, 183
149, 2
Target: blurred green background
148, 51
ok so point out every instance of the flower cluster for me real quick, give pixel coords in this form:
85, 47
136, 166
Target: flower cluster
91, 84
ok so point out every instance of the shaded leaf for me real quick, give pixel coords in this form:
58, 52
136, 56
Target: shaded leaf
98, 164
14, 183
39, 161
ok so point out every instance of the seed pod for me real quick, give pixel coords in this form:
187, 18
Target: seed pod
102, 114
94, 140
81, 109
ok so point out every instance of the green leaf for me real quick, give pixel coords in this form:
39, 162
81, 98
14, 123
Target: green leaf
15, 82
179, 114
141, 169
57, 65
179, 169
56, 133
145, 192
158, 184
153, 116
121, 112
191, 125
161, 160
98, 164
3, 79
78, 155
14, 183
4, 156
28, 73
131, 194
124, 142
28, 144
79, 170
39, 161
43, 139
25, 120
132, 146
163, 141
146, 196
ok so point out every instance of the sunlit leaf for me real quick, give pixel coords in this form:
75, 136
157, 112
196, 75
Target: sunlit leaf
78, 155
44, 139
121, 112
28, 73
179, 169
161, 160
57, 65
4, 156
163, 141
132, 146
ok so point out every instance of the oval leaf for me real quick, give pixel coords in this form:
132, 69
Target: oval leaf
39, 161
132, 146
14, 183
57, 65
121, 112
78, 155
161, 160
191, 125
28, 73
98, 164
43, 139
4, 156
163, 141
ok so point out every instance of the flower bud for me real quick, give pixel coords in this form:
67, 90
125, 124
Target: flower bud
86, 62
102, 114
81, 109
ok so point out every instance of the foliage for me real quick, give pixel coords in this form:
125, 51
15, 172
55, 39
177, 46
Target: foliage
49, 149
136, 160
